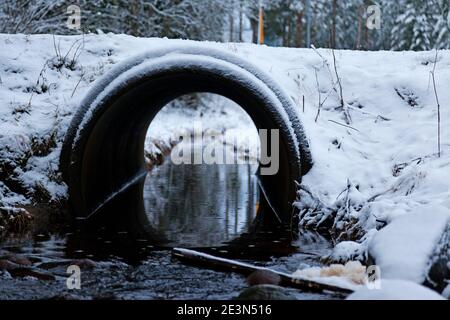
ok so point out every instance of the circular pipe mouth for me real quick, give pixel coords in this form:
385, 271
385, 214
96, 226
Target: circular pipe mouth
102, 158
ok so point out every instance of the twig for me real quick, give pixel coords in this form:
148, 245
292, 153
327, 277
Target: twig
377, 116
70, 49
325, 62
344, 125
438, 104
37, 82
57, 48
74, 89
321, 102
343, 105
348, 119
303, 98
54, 45
337, 78
319, 107
76, 54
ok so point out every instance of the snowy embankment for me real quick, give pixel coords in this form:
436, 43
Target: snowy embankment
375, 159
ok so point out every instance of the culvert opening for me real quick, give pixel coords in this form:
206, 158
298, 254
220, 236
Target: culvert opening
103, 154
208, 203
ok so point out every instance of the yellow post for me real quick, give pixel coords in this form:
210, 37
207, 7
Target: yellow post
261, 25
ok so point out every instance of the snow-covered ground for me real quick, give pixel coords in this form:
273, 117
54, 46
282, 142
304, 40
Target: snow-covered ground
396, 290
375, 159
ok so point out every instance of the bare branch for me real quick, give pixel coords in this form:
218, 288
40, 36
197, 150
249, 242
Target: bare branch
347, 116
320, 96
437, 102
344, 125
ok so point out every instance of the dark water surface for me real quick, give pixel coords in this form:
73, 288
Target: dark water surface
208, 207
201, 205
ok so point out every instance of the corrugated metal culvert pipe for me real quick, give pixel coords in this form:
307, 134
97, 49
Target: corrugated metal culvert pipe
103, 152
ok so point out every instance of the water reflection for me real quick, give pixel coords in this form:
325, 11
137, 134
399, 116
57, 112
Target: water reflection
201, 205
216, 208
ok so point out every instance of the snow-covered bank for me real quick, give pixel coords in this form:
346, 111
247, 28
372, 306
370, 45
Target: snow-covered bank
408, 241
368, 172
42, 81
396, 290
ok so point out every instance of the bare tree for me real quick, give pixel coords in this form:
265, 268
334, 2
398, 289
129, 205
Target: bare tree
299, 29
26, 16
241, 20
333, 25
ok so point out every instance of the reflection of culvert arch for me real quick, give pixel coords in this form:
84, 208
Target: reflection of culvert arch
103, 149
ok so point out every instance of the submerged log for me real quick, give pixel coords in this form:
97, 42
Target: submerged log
19, 270
204, 260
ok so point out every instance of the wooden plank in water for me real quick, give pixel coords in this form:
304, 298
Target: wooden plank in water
208, 261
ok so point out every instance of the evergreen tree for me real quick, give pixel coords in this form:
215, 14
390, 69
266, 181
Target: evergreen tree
406, 24
413, 28
441, 31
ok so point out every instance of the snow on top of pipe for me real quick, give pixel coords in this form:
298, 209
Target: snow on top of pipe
130, 71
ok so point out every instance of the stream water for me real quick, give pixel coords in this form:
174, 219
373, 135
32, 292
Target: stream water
208, 207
